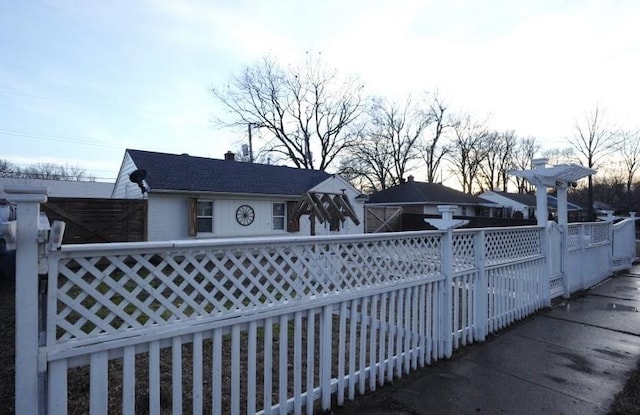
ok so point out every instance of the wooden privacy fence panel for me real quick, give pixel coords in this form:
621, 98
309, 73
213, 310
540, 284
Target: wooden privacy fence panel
99, 220
383, 219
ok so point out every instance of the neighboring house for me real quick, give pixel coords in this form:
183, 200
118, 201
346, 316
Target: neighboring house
524, 206
61, 188
196, 197
424, 198
575, 213
512, 205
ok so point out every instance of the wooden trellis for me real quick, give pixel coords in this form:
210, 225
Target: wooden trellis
333, 208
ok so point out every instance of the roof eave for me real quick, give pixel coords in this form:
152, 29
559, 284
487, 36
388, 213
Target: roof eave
209, 192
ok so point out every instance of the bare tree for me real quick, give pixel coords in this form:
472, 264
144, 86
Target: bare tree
565, 155
390, 143
525, 151
434, 149
7, 169
305, 109
629, 150
45, 171
593, 141
469, 150
370, 170
500, 151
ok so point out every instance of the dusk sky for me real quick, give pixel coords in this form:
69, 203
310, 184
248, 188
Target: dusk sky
81, 81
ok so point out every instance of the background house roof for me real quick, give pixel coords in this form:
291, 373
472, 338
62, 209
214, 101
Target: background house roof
525, 199
552, 202
425, 193
61, 188
199, 174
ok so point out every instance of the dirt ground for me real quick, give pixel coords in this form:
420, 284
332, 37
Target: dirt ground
7, 347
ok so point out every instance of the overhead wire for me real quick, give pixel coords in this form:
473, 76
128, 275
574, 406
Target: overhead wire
59, 138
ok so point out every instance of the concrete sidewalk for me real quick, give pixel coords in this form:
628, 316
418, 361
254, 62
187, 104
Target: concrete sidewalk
570, 359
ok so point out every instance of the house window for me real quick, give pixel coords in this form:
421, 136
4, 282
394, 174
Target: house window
279, 216
204, 216
463, 210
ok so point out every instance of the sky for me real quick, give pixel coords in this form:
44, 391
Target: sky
81, 81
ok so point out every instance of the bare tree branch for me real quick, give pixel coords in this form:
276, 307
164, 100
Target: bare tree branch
306, 110
593, 140
469, 150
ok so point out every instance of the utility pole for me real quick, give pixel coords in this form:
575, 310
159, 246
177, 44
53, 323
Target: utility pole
249, 125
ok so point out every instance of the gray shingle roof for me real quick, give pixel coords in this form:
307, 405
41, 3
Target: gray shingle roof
200, 174
525, 199
426, 193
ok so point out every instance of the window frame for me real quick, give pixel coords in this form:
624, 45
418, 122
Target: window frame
198, 216
283, 216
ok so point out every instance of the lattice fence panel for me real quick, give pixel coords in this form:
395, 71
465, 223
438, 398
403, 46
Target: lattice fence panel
111, 292
600, 233
573, 236
464, 251
512, 244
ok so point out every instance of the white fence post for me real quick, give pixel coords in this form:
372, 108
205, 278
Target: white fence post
564, 260
446, 305
29, 398
547, 271
481, 303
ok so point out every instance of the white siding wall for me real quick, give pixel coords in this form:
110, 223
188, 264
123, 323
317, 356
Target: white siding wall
124, 189
433, 210
226, 225
167, 217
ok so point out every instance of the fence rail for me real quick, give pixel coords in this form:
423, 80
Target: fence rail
277, 325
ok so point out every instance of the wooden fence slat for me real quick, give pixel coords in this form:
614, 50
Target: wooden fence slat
58, 387
176, 375
251, 367
297, 362
154, 378
216, 373
235, 374
342, 332
311, 358
129, 381
98, 383
197, 373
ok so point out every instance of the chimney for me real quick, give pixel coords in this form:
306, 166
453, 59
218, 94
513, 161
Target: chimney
230, 156
410, 178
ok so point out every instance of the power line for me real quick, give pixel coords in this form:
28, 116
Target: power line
49, 137
75, 102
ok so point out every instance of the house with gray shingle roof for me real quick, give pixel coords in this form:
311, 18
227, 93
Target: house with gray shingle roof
421, 197
199, 197
512, 205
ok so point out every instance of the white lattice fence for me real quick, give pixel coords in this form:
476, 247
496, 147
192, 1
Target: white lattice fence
274, 324
302, 318
108, 289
